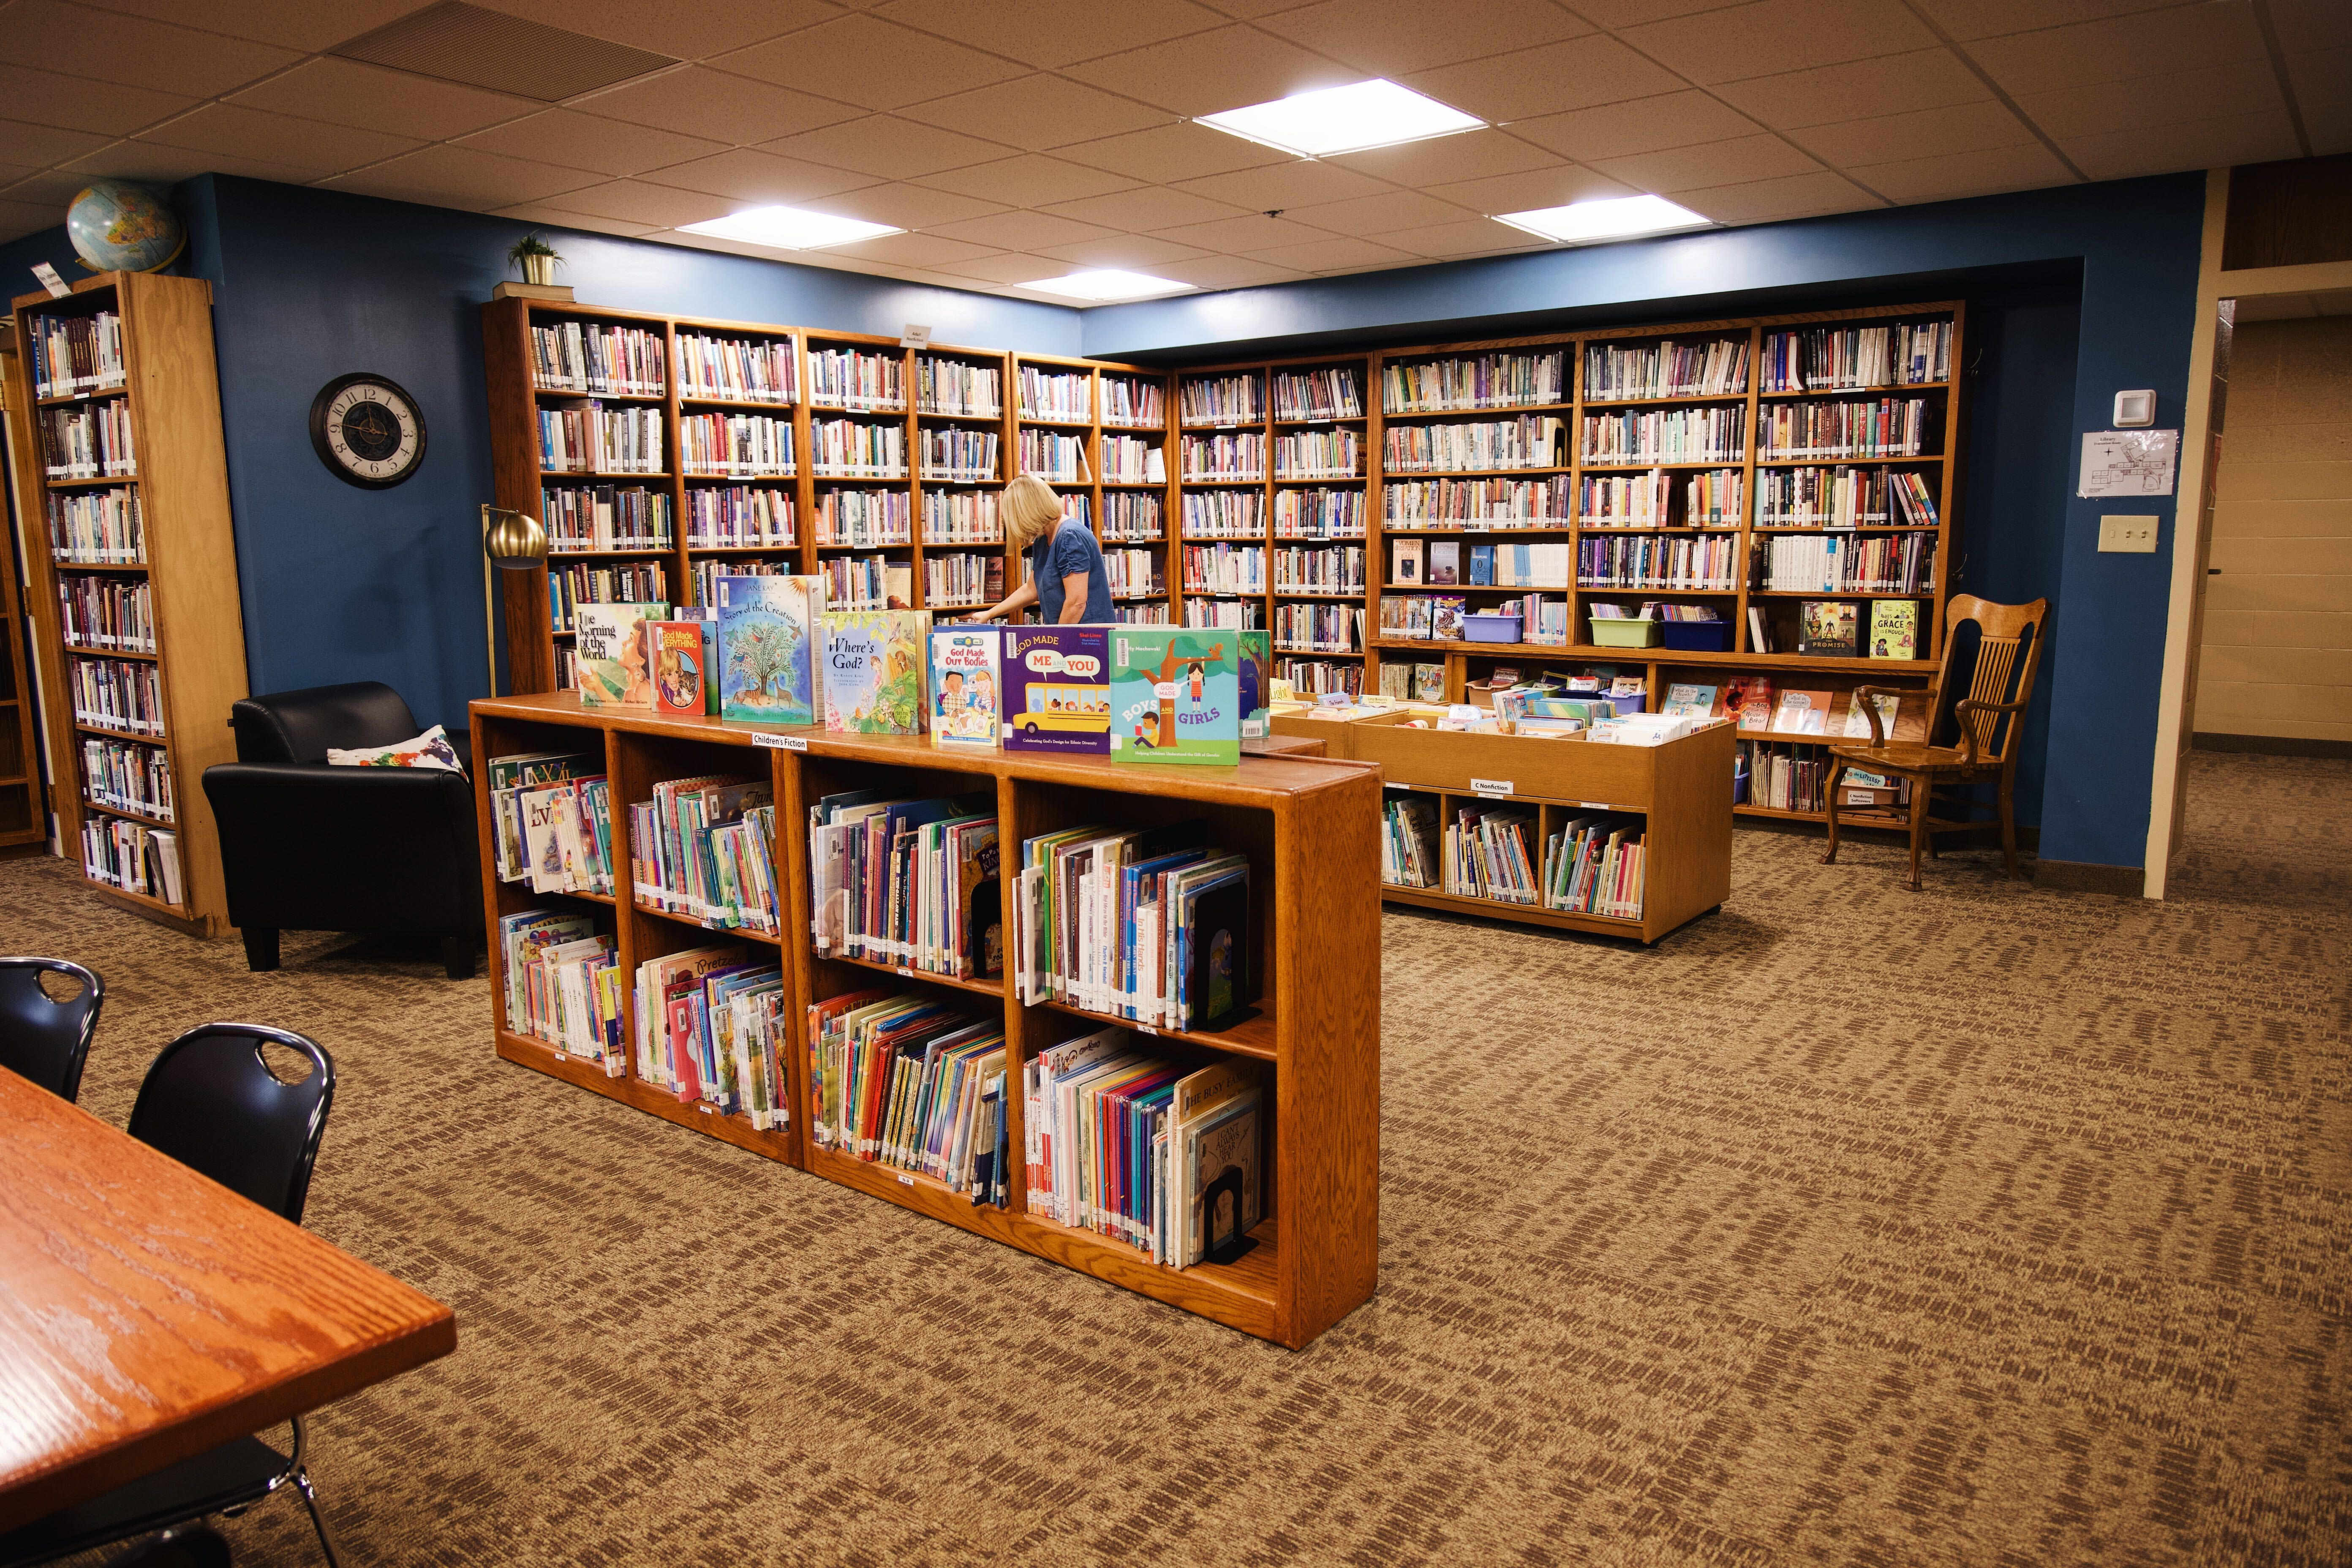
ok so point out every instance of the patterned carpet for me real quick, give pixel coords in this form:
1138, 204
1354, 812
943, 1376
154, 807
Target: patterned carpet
1982, 1226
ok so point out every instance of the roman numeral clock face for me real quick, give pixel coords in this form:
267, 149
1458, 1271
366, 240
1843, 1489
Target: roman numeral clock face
367, 430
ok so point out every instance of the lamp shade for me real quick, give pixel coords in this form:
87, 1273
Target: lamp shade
512, 539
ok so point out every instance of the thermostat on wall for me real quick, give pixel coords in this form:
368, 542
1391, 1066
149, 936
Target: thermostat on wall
2135, 410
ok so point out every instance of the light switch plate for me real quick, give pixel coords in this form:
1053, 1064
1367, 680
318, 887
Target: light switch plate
2135, 535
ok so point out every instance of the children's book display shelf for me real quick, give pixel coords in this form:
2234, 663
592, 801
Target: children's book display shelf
1308, 826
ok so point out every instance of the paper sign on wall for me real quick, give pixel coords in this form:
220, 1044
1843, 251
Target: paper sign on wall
2130, 462
48, 277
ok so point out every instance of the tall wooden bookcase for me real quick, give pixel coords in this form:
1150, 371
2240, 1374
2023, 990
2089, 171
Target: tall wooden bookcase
23, 818
1309, 827
186, 558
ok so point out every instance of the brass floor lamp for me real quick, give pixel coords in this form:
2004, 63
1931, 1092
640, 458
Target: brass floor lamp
512, 542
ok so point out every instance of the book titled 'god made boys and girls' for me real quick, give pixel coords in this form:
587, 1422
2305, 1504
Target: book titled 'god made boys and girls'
768, 651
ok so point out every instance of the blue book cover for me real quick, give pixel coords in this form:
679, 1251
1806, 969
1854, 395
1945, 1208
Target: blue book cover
767, 643
1482, 565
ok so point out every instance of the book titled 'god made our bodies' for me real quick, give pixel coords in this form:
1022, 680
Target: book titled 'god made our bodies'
1175, 696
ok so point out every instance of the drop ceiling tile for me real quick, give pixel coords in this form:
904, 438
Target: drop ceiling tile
888, 147
1771, 37
547, 217
869, 62
1945, 176
1301, 181
915, 250
1023, 231
754, 177
1053, 33
1547, 79
78, 103
54, 189
41, 145
18, 219
1763, 201
346, 92
303, 25
1232, 236
279, 138
1477, 236
1739, 161
1146, 208
1555, 186
635, 201
1928, 79
1967, 20
1471, 155
12, 173
1134, 252
1037, 112
2056, 59
461, 177
687, 32
1376, 214
1395, 37
1226, 272
2321, 76
146, 163
2329, 126
906, 206
735, 110
1924, 132
2258, 138
1006, 267
1619, 14
577, 141
1208, 72
1172, 153
134, 50
1641, 125
1334, 254
1031, 180
2240, 87
2304, 25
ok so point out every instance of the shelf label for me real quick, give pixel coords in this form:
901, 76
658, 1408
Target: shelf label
706, 1111
47, 277
1143, 1028
907, 972
780, 742
1596, 806
906, 1181
1492, 789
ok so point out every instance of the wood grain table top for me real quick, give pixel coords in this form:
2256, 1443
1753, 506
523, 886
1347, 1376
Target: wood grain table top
148, 1313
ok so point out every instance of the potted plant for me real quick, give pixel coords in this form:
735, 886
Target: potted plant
536, 257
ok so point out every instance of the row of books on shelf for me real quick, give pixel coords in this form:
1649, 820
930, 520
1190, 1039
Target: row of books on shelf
958, 388
1333, 569
1712, 367
1709, 499
580, 518
705, 847
955, 453
740, 446
1593, 865
1467, 382
123, 775
1439, 562
576, 583
1757, 704
737, 369
1063, 396
73, 355
1885, 428
87, 441
857, 448
1851, 359
975, 582
132, 856
596, 439
597, 358
1843, 498
909, 882
1133, 460
1132, 573
1882, 563
1706, 561
1132, 402
96, 528
857, 378
1665, 436
1531, 441
1450, 504
915, 1084
106, 613
116, 694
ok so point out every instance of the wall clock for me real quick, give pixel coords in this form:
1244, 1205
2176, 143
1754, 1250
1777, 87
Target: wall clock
367, 430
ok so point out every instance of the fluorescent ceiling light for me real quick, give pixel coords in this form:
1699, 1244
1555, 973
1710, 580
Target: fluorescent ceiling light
1108, 283
1620, 217
1342, 120
788, 229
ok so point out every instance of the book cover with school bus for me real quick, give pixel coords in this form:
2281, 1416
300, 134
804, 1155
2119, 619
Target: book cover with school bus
1056, 689
1175, 695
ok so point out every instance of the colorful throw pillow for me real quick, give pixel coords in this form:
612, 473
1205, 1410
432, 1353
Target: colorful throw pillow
430, 750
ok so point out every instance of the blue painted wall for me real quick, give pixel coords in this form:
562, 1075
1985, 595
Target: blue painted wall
2136, 243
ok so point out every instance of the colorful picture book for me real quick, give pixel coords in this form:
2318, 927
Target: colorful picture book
768, 666
1056, 689
610, 644
674, 653
1894, 630
1826, 628
874, 679
1404, 562
1689, 700
964, 709
508, 778
1444, 562
1175, 695
1802, 713
1256, 676
1857, 723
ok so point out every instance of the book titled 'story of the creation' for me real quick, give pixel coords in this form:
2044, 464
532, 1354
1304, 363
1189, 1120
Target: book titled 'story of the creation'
874, 676
768, 669
1175, 696
1056, 689
611, 645
964, 710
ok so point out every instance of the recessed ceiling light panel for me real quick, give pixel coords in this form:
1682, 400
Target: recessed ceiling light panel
1105, 285
788, 228
1342, 120
1620, 217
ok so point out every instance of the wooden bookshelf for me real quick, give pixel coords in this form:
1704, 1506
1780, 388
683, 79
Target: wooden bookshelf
189, 564
1308, 826
24, 815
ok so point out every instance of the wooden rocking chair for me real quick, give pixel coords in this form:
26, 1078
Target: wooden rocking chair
1986, 724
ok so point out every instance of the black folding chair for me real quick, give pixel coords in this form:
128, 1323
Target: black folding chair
213, 1101
42, 1038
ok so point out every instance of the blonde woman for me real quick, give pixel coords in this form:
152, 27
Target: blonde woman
1068, 580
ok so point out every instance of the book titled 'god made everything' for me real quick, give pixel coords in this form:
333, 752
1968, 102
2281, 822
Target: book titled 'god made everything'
1175, 696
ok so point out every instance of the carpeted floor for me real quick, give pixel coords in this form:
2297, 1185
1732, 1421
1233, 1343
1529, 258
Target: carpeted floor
1985, 1225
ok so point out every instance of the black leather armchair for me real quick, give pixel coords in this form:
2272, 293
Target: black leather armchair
306, 847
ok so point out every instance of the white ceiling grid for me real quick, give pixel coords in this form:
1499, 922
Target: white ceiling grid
1023, 139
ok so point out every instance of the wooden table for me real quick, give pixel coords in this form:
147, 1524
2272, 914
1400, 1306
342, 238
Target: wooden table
148, 1313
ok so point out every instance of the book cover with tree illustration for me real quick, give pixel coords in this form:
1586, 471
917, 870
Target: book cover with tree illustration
1175, 695
767, 669
875, 678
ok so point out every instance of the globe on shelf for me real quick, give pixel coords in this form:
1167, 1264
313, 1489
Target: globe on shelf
118, 227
